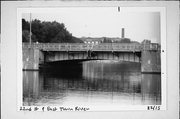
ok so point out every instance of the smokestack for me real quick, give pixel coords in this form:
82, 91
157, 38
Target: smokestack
122, 33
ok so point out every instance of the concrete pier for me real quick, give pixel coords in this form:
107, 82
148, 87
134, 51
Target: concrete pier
150, 61
31, 59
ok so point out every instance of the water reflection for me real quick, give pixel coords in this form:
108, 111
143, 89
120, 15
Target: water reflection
92, 82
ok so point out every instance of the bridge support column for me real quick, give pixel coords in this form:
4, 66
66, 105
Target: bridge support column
150, 61
31, 59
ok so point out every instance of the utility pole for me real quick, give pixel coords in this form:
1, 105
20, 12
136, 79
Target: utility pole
30, 40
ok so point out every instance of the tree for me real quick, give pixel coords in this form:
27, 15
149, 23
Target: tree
48, 32
26, 36
25, 25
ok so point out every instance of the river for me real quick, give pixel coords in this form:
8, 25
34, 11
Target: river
91, 82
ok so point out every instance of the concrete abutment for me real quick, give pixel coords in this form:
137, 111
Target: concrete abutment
150, 61
31, 59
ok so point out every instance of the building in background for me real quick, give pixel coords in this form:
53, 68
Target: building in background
97, 40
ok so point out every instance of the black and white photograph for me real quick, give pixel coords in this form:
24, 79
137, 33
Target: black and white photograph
91, 56
89, 59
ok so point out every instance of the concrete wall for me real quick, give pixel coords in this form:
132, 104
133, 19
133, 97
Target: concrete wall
150, 61
30, 59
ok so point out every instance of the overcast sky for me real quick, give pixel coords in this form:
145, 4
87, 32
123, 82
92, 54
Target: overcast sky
105, 22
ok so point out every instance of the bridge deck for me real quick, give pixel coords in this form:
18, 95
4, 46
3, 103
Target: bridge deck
124, 47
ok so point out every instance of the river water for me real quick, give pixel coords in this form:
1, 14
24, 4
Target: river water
91, 82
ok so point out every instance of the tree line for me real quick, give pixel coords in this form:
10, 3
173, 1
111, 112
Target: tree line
47, 32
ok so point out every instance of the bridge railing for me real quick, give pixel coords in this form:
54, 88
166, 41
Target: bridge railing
117, 47
152, 46
93, 47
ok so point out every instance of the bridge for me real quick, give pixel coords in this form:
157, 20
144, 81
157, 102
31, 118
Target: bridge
147, 54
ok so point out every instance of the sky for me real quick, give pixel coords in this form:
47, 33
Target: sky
105, 22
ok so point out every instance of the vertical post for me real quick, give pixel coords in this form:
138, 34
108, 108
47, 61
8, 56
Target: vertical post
30, 40
122, 33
